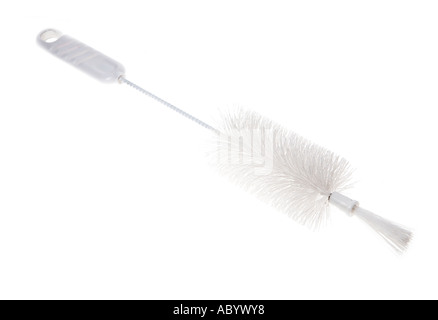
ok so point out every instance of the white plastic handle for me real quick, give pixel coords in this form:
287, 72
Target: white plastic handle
81, 56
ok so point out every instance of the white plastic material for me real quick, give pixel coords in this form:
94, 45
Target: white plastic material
344, 203
81, 56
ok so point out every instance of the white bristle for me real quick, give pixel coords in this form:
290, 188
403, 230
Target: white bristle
280, 167
397, 236
291, 173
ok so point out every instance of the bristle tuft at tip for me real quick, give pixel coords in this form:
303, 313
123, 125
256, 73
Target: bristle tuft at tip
397, 236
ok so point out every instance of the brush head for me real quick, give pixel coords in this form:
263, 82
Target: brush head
280, 167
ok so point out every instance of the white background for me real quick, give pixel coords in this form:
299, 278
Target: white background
106, 194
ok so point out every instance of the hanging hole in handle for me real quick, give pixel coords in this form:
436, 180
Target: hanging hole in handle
50, 35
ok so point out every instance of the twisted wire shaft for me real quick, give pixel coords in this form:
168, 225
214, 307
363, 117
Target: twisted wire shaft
169, 105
